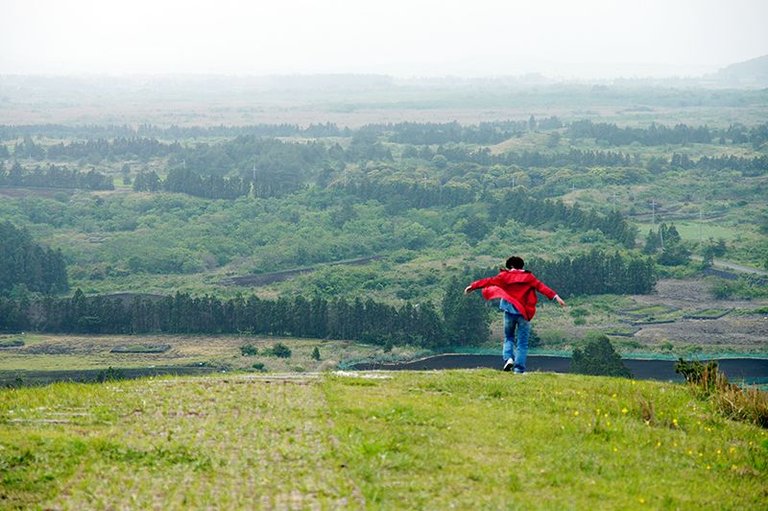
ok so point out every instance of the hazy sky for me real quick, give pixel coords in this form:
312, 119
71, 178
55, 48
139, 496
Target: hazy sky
568, 38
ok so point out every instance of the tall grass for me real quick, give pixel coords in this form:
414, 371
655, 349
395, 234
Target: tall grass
744, 404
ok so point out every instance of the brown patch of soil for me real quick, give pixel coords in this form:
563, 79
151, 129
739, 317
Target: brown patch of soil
737, 332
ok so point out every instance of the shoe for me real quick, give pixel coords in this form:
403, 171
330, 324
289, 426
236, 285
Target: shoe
518, 371
508, 365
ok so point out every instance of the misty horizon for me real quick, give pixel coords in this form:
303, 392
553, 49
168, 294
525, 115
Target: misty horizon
594, 39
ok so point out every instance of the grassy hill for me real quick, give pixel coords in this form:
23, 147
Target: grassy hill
462, 439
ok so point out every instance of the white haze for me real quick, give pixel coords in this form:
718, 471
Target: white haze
568, 39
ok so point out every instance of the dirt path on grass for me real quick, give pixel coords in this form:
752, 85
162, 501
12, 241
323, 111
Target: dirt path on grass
728, 265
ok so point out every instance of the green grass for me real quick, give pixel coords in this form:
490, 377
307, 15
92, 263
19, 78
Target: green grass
697, 231
434, 440
49, 352
707, 313
11, 342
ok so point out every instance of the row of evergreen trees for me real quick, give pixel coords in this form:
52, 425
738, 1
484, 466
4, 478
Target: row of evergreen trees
405, 132
461, 320
209, 187
655, 134
756, 166
528, 159
596, 272
173, 132
362, 320
26, 263
407, 192
753, 166
519, 206
212, 187
431, 133
659, 134
54, 176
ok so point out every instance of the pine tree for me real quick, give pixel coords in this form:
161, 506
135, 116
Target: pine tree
599, 358
466, 317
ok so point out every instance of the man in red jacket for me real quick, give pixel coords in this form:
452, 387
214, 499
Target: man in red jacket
517, 289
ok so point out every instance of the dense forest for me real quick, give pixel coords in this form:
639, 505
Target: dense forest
28, 264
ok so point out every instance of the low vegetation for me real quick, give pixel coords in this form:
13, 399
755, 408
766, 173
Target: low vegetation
467, 439
735, 402
598, 357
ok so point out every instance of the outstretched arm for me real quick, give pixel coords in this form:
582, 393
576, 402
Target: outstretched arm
560, 301
480, 284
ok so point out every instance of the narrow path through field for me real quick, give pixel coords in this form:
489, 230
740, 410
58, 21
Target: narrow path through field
728, 265
234, 442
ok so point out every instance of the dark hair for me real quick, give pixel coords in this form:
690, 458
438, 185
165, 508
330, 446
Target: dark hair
515, 262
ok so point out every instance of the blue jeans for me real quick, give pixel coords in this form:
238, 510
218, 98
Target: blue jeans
516, 347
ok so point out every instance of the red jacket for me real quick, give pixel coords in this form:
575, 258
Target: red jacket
518, 287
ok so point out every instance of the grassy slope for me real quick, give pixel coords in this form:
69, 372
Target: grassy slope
468, 439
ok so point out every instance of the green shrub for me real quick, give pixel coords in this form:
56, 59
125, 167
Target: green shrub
109, 374
249, 350
259, 366
722, 290
316, 353
598, 358
280, 350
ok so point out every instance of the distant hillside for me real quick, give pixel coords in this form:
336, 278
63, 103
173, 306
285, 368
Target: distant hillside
753, 72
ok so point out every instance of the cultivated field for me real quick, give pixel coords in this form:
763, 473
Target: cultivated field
44, 357
680, 319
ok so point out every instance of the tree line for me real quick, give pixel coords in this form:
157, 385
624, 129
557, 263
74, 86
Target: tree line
26, 263
659, 134
53, 176
596, 272
363, 320
173, 132
755, 166
461, 320
406, 192
520, 206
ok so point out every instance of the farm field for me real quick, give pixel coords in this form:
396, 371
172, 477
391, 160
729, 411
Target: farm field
45, 357
376, 441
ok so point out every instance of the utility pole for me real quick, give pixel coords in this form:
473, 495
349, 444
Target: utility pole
661, 237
